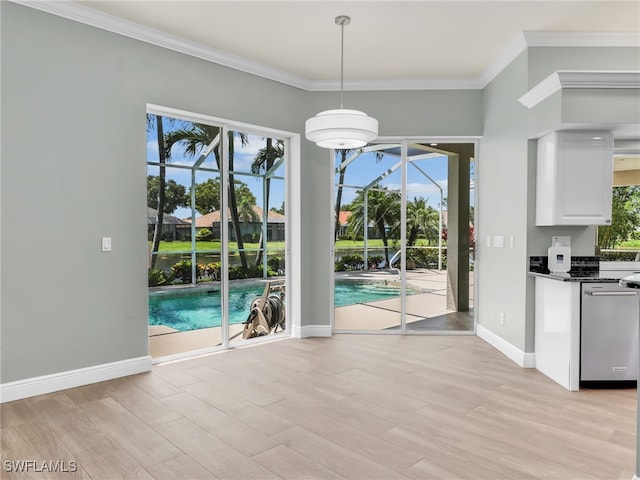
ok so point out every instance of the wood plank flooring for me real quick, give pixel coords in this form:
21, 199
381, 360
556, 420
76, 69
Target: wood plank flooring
350, 406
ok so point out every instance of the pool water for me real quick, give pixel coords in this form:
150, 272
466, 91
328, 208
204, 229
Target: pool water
202, 309
350, 293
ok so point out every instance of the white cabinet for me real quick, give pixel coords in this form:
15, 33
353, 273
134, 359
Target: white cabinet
557, 331
574, 178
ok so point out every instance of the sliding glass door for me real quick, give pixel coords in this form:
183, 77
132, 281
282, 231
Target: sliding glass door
399, 210
216, 197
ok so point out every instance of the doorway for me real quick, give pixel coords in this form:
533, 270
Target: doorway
404, 238
218, 232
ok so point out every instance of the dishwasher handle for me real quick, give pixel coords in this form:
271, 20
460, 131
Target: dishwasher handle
610, 294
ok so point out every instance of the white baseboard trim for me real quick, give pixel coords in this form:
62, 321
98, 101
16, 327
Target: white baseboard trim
525, 360
311, 331
31, 387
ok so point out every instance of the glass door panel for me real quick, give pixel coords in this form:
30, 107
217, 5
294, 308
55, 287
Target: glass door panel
216, 262
367, 239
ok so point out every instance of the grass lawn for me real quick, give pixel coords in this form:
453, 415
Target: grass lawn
630, 245
174, 247
213, 246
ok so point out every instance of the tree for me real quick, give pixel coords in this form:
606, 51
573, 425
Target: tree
163, 154
421, 218
262, 164
247, 212
383, 208
278, 210
195, 138
625, 217
342, 168
208, 195
174, 194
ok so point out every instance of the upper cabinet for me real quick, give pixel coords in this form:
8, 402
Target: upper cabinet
574, 178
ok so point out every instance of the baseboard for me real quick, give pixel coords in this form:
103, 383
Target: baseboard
31, 387
311, 331
525, 360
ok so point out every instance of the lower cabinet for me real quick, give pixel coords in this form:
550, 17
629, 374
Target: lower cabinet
557, 331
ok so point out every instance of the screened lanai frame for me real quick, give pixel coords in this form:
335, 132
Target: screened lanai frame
290, 161
428, 144
387, 149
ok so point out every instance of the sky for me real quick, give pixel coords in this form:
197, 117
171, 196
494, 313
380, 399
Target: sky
361, 172
243, 158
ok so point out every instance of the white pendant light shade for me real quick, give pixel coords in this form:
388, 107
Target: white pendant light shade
341, 129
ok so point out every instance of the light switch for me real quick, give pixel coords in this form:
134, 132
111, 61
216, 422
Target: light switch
106, 244
498, 241
511, 241
488, 240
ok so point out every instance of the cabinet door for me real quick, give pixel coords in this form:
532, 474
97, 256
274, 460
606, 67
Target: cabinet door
574, 179
584, 178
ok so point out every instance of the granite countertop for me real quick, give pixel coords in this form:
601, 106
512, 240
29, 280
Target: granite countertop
584, 277
583, 269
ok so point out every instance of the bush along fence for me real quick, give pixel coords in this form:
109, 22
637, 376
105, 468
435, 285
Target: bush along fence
416, 258
181, 272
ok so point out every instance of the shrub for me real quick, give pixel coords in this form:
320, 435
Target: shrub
238, 272
276, 264
212, 270
618, 255
426, 257
350, 262
182, 271
375, 260
204, 235
157, 277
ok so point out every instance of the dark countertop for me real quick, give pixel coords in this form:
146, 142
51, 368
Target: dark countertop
583, 277
632, 281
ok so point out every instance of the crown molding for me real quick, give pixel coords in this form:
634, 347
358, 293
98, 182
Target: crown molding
579, 79
110, 23
397, 84
578, 39
88, 16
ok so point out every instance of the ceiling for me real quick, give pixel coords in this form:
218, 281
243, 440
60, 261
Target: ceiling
445, 44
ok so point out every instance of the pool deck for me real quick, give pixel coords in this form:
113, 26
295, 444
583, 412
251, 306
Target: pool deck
426, 312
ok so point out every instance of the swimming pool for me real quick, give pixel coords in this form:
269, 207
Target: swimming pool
201, 308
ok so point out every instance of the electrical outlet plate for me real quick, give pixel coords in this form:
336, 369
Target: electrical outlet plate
557, 241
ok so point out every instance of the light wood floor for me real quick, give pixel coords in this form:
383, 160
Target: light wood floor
351, 406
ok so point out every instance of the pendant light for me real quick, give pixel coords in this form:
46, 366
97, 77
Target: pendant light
341, 128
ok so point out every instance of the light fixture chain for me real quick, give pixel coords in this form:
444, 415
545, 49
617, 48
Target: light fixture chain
342, 65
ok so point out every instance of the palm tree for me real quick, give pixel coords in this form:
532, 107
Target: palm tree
421, 217
163, 153
247, 213
194, 137
263, 162
383, 209
342, 168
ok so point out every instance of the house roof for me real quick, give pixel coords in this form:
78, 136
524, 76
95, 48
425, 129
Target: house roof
166, 219
209, 219
344, 217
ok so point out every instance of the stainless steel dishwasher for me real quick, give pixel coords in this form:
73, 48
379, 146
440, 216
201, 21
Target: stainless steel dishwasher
609, 334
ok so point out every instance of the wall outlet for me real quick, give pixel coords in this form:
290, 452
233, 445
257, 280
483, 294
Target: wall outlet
557, 241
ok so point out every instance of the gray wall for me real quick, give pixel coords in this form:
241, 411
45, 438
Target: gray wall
506, 174
73, 170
